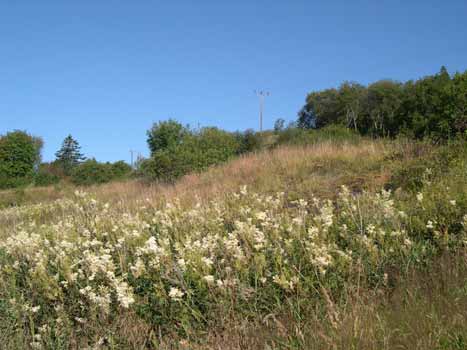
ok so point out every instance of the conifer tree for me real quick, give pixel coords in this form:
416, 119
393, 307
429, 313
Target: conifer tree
69, 155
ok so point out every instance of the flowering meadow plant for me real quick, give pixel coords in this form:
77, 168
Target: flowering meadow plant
73, 266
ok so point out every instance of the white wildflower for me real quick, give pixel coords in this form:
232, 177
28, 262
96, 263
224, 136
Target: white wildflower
176, 294
35, 309
420, 197
209, 279
181, 263
124, 294
138, 268
261, 216
207, 261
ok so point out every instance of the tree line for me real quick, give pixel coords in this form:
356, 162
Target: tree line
175, 150
434, 106
20, 163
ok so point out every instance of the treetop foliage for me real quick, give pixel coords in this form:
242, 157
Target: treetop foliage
69, 155
166, 134
434, 106
19, 156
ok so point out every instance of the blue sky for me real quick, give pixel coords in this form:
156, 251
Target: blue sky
104, 70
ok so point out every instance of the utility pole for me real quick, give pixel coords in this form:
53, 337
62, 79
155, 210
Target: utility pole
261, 94
131, 152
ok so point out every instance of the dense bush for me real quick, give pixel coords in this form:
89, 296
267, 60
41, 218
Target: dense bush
432, 166
166, 134
48, 174
249, 141
19, 156
92, 172
213, 146
167, 165
120, 169
196, 151
300, 136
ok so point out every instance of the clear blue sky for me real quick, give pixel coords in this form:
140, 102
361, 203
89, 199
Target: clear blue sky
104, 71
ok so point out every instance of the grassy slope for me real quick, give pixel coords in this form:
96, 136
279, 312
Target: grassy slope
300, 171
317, 169
424, 309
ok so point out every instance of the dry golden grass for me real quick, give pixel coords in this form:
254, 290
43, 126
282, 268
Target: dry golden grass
318, 169
30, 195
297, 170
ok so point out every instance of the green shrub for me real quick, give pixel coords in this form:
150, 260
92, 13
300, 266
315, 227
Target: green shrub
92, 172
198, 151
294, 136
413, 175
48, 174
167, 165
334, 133
120, 169
248, 141
212, 146
43, 178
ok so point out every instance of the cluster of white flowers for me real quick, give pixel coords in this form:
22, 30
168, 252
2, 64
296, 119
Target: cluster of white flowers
176, 294
237, 244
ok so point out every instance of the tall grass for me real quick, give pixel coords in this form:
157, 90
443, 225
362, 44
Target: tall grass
293, 248
304, 170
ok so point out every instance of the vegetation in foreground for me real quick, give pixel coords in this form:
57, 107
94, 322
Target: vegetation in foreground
275, 264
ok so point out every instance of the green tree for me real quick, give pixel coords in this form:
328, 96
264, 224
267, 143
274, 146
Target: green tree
384, 101
457, 104
279, 125
426, 109
166, 134
69, 155
20, 155
433, 106
351, 104
321, 109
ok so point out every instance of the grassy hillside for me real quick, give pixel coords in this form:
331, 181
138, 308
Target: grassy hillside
317, 168
329, 246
